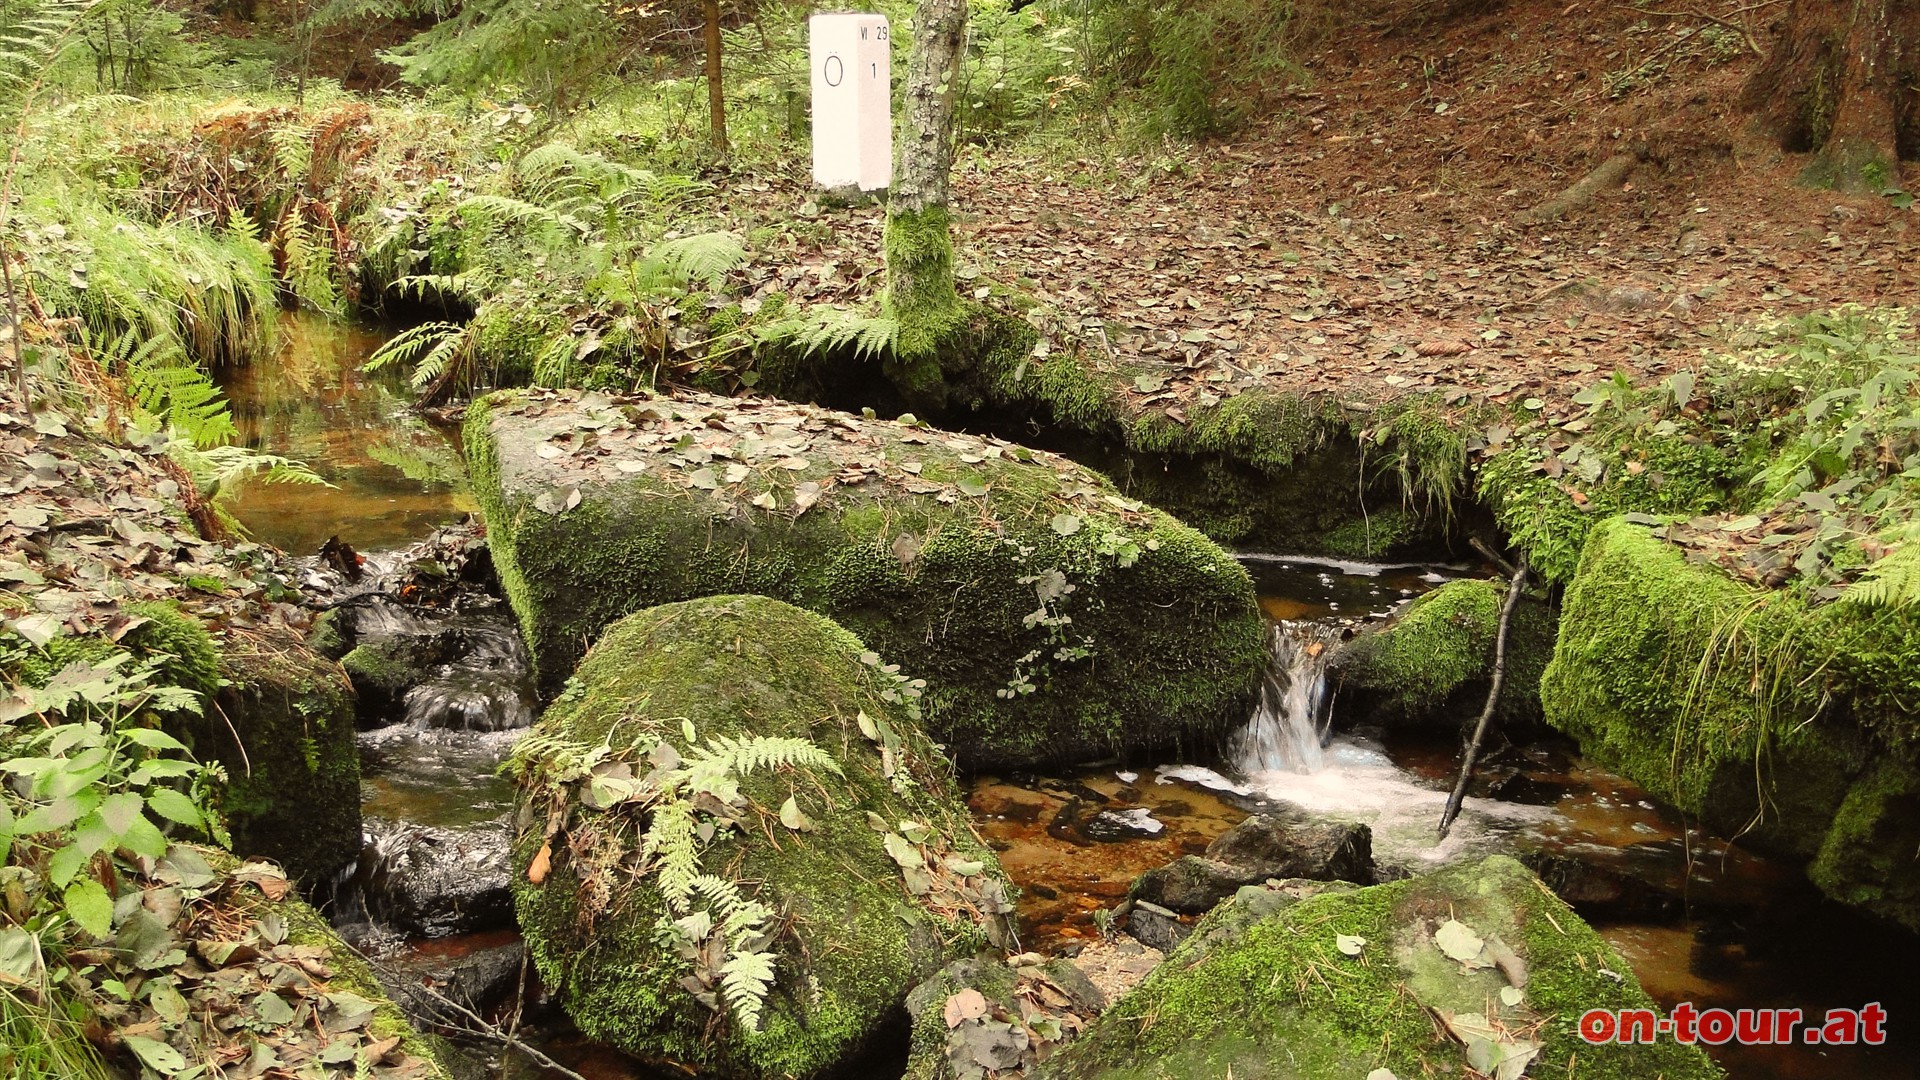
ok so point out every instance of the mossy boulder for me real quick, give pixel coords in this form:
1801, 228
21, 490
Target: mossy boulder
283, 727
1302, 1008
1431, 666
1692, 685
864, 864
1757, 709
278, 718
1051, 618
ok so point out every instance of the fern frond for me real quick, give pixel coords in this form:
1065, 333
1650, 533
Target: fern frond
754, 753
704, 258
1892, 582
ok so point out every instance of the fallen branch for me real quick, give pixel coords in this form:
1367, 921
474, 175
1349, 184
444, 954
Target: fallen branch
1611, 173
1514, 586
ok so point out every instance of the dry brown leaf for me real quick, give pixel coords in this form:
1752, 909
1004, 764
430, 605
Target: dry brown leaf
968, 1004
541, 865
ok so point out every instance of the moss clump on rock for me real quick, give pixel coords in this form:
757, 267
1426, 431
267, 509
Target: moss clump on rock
1051, 618
1305, 1010
854, 931
282, 725
1432, 665
1867, 859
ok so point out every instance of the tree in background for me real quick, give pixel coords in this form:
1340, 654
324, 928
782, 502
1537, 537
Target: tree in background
1843, 83
919, 240
716, 86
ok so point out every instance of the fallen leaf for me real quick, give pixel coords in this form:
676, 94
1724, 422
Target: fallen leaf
968, 1004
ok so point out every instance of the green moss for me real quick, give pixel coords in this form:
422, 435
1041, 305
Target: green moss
1173, 639
1543, 517
1304, 1010
920, 291
1867, 859
1435, 661
1370, 536
854, 942
1697, 687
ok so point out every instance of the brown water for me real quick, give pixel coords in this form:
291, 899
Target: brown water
1700, 918
395, 477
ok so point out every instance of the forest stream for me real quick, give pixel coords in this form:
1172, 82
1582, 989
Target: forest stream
1700, 918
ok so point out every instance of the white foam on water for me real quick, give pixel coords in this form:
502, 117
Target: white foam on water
1359, 783
1197, 774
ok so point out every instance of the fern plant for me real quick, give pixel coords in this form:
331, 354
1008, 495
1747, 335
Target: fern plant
823, 330
703, 908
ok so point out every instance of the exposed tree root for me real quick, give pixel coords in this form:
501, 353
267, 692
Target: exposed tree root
1611, 174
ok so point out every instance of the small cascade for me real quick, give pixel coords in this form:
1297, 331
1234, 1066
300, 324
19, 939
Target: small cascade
1288, 731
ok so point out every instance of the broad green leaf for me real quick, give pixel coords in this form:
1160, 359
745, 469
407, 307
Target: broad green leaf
1067, 524
971, 485
88, 904
175, 807
152, 739
143, 837
902, 852
156, 1055
120, 811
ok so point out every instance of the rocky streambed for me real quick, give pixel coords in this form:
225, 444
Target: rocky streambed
1111, 865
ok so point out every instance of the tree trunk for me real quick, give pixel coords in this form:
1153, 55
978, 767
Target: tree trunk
716, 95
1843, 83
920, 290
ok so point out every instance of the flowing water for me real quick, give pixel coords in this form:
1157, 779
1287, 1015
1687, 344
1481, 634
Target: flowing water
394, 476
1700, 919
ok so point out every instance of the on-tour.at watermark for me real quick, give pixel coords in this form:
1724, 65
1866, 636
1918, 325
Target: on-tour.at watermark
1864, 1026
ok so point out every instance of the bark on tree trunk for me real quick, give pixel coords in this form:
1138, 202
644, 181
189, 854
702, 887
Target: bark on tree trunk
1843, 83
716, 93
920, 289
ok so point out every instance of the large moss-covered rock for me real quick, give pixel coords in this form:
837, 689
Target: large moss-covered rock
1051, 618
1432, 665
1751, 707
1303, 1008
282, 724
882, 882
1693, 685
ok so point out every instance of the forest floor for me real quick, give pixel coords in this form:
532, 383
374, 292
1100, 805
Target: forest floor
1367, 236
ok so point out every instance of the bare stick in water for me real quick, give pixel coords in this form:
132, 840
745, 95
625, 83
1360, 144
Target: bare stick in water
1514, 587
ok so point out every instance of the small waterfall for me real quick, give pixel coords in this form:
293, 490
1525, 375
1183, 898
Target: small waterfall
1288, 730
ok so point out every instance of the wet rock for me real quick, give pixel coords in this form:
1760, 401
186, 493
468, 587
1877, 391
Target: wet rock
1261, 847
984, 1017
435, 882
1114, 825
428, 985
1156, 927
1192, 884
1052, 618
843, 852
1352, 980
1283, 848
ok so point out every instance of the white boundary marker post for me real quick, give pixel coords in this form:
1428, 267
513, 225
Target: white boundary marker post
852, 58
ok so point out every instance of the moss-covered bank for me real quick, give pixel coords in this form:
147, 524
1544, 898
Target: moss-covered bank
852, 928
277, 717
1050, 617
1432, 665
1754, 708
1304, 1009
